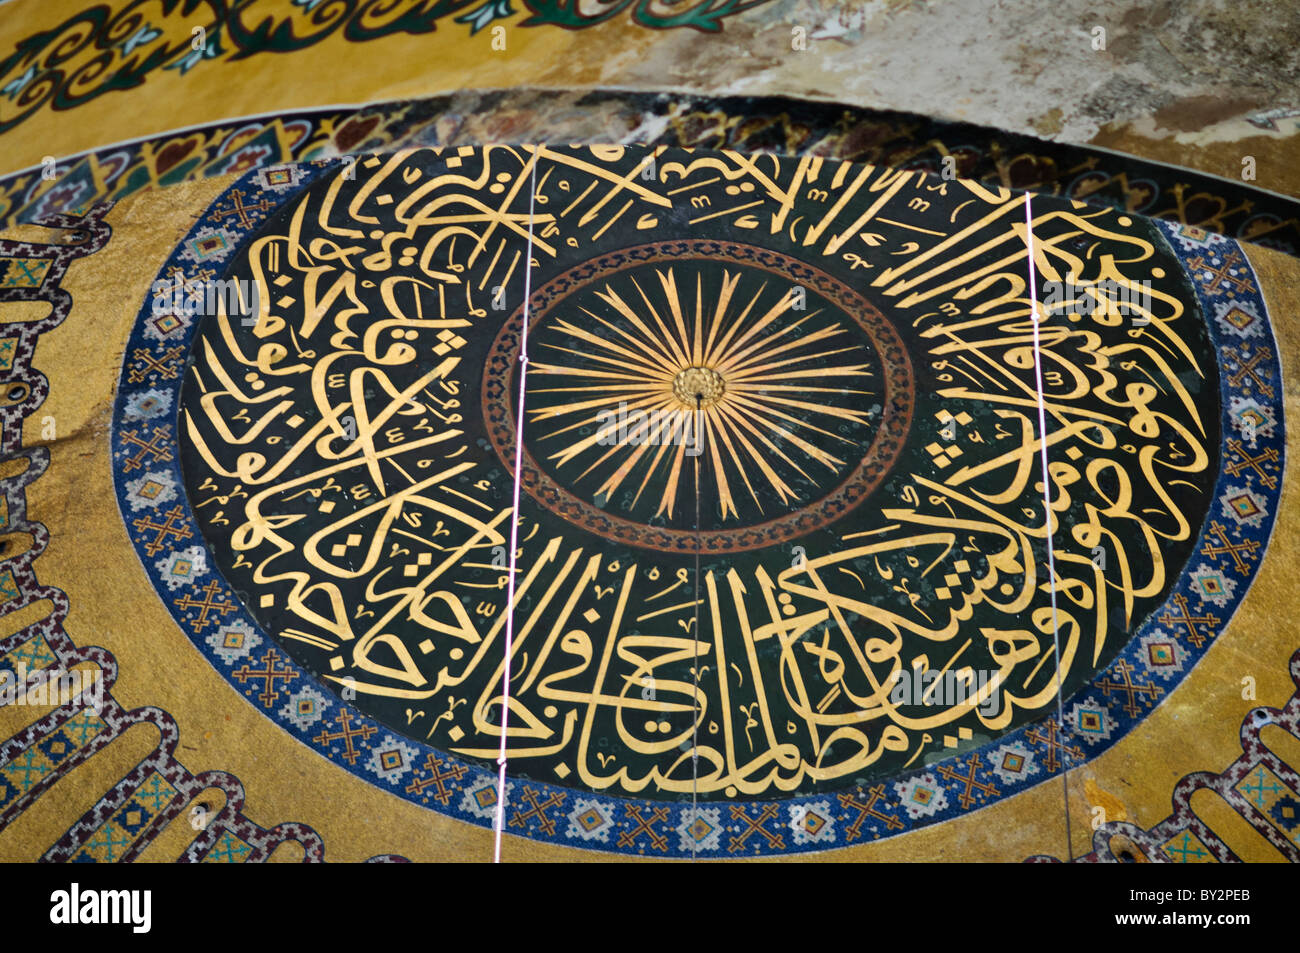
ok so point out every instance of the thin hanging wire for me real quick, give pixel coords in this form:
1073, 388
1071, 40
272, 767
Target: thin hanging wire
695, 659
1047, 511
514, 515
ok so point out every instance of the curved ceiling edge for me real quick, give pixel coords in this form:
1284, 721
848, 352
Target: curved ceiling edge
780, 125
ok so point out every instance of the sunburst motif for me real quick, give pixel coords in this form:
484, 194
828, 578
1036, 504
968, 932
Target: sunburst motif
762, 383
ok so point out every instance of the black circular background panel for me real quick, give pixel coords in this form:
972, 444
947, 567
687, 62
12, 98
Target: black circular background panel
803, 396
358, 429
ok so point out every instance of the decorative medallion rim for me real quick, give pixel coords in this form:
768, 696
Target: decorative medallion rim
851, 490
855, 815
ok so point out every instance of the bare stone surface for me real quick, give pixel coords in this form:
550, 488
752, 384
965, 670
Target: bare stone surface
1188, 73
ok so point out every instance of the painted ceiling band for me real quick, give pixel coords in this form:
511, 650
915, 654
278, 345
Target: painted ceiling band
778, 125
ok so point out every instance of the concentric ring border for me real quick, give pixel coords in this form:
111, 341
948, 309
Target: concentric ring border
957, 785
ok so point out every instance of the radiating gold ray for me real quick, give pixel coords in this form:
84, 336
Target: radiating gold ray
657, 359
729, 282
669, 496
744, 473
647, 387
829, 331
758, 406
583, 334
612, 297
611, 362
719, 472
546, 413
712, 357
770, 315
570, 452
734, 358
613, 449
750, 373
603, 457
744, 387
745, 407
650, 471
742, 361
760, 403
817, 372
539, 368
615, 479
697, 347
663, 405
665, 340
783, 489
632, 406
669, 282
829, 410
575, 449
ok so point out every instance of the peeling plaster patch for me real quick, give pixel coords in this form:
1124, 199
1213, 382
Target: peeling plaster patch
1269, 118
1198, 112
1012, 64
1230, 130
1048, 124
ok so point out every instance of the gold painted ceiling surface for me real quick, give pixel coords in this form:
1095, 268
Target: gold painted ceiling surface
866, 499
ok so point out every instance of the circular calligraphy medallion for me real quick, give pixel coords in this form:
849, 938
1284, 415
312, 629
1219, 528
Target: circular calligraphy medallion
323, 492
797, 389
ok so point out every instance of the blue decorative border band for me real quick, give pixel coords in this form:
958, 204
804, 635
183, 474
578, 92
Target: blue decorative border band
163, 530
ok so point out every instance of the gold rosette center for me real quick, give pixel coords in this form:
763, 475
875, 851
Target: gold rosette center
699, 383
